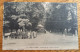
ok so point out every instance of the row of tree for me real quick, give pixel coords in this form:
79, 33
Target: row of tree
28, 15
62, 16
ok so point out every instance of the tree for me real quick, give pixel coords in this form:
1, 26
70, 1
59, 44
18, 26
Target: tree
9, 14
57, 16
13, 11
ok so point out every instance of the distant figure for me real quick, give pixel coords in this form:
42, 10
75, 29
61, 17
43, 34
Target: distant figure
20, 35
19, 31
73, 31
23, 35
26, 34
76, 33
29, 34
34, 34
65, 31
16, 34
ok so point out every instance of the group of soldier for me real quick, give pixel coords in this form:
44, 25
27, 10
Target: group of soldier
22, 35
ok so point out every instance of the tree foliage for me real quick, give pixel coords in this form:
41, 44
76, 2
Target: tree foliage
13, 11
61, 16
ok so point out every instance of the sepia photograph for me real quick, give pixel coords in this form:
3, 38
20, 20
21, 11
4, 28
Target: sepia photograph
40, 26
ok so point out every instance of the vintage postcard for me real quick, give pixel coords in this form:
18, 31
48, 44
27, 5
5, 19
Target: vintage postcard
40, 26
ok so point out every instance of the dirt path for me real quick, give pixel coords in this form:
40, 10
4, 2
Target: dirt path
49, 39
